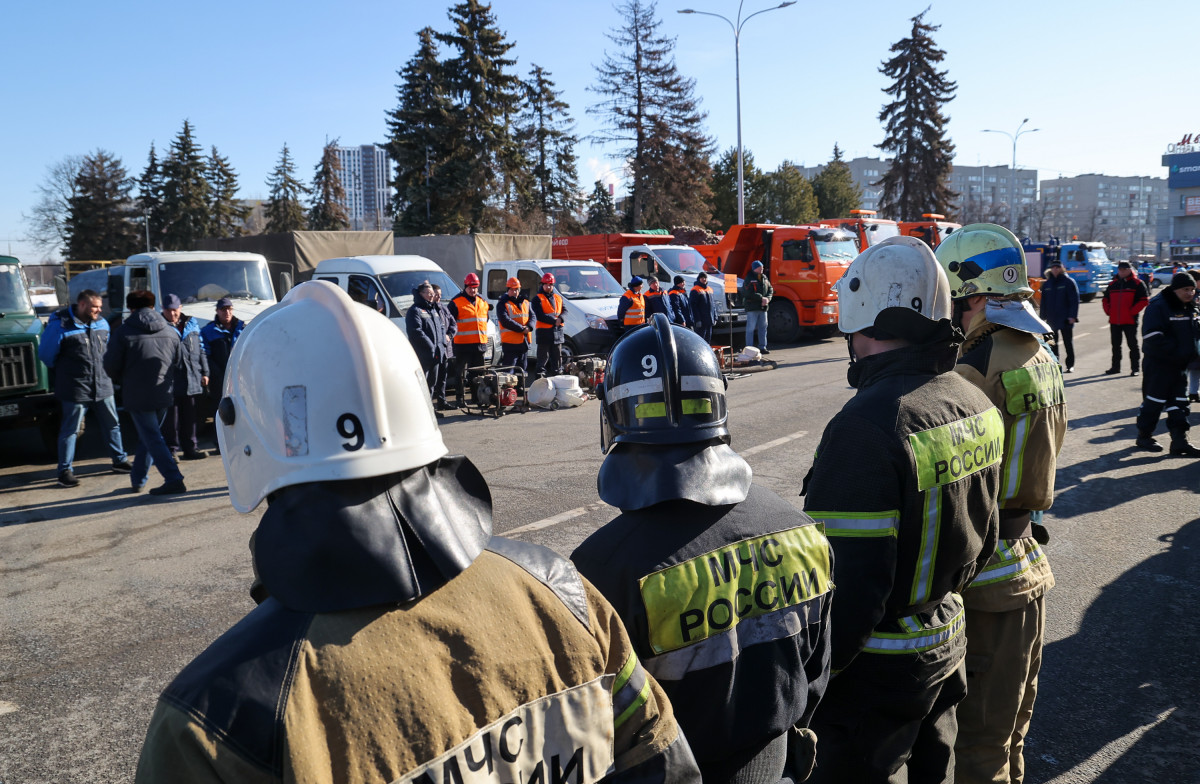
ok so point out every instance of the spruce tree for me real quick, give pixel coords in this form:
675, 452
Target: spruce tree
328, 211
419, 144
915, 128
602, 217
484, 159
285, 211
724, 189
650, 112
100, 222
835, 189
186, 193
545, 133
150, 199
228, 214
787, 197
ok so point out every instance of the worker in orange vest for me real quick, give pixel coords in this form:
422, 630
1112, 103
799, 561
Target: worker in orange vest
470, 312
631, 312
513, 311
548, 309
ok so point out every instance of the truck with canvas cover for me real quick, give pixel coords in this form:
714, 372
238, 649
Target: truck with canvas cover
802, 263
26, 399
865, 226
933, 228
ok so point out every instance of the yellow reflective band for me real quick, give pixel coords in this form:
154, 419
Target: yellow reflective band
858, 523
693, 405
916, 641
697, 405
711, 593
950, 452
1033, 388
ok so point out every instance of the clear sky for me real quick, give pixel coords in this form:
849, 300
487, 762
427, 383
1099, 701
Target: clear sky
1108, 83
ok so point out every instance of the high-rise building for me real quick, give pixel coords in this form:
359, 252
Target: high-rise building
1179, 223
1119, 211
366, 180
986, 194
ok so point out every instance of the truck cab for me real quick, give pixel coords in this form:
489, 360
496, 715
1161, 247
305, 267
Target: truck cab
590, 297
1086, 262
868, 229
25, 396
802, 263
933, 228
386, 283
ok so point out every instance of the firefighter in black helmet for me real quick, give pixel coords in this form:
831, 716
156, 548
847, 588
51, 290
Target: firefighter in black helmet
725, 588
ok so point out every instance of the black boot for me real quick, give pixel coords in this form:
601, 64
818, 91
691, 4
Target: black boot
1181, 448
1112, 371
1147, 442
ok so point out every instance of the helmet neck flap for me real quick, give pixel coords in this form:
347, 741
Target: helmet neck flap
635, 476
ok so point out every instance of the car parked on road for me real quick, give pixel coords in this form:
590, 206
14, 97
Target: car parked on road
1162, 276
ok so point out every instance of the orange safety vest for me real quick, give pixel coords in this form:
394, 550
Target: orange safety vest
550, 308
519, 315
472, 321
637, 309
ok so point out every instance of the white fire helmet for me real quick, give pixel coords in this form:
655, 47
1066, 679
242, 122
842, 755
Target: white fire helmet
320, 388
899, 272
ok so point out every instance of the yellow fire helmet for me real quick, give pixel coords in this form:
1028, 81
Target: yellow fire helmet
985, 259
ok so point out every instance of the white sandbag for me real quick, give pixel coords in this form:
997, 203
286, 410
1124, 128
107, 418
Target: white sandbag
556, 392
541, 393
748, 354
569, 398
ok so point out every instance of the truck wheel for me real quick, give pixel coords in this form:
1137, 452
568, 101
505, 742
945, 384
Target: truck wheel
783, 323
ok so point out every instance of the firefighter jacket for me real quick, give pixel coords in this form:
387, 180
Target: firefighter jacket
75, 352
905, 482
548, 310
397, 651
1169, 332
631, 310
1124, 299
470, 316
728, 607
1024, 381
513, 314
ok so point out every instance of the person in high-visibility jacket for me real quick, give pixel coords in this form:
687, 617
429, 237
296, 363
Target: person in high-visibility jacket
396, 639
725, 587
631, 310
904, 481
1006, 602
512, 309
548, 312
470, 312
657, 301
703, 307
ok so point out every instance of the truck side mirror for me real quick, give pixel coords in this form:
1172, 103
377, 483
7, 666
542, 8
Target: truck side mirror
285, 283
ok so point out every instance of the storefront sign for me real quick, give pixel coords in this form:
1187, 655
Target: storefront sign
1190, 142
1183, 170
1191, 205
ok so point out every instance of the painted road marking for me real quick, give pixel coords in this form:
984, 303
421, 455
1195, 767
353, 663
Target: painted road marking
8, 707
754, 450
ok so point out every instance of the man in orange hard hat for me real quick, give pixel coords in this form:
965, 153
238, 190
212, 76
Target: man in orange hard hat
513, 311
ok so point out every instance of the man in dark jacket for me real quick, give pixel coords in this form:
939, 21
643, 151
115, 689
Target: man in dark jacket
703, 307
657, 301
439, 392
1124, 299
1169, 336
219, 336
426, 329
756, 293
724, 587
179, 428
679, 303
1060, 309
73, 348
144, 356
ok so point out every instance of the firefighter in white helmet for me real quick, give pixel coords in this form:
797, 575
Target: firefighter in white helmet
905, 481
379, 655
1006, 603
741, 648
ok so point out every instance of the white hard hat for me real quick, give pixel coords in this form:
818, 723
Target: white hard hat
319, 388
899, 272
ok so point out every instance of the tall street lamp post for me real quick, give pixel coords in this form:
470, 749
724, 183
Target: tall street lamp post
1013, 178
737, 71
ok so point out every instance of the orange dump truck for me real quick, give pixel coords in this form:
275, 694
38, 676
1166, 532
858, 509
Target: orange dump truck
932, 228
802, 263
869, 229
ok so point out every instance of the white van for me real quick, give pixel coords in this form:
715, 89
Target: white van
387, 283
590, 292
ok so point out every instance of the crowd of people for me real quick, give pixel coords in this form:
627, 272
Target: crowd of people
164, 364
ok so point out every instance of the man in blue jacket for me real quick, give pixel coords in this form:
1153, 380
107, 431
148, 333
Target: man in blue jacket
679, 303
1169, 334
703, 307
1060, 309
179, 428
73, 347
426, 329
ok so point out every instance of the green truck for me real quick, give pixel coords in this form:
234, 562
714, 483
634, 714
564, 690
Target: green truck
26, 399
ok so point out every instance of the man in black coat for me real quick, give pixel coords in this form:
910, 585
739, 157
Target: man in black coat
426, 328
179, 428
143, 357
1169, 334
1060, 309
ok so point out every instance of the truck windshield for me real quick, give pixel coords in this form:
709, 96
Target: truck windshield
399, 286
836, 247
1097, 254
208, 281
878, 232
683, 260
584, 281
14, 297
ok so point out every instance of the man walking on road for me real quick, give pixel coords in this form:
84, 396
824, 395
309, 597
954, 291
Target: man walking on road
73, 346
1060, 309
1169, 337
1123, 300
1006, 602
144, 356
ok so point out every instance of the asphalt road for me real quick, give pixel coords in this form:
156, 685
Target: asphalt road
106, 595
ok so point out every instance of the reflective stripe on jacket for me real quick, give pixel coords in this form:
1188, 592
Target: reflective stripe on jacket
634, 309
518, 313
471, 317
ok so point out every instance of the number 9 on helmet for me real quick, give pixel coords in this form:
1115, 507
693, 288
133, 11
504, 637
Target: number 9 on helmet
663, 385
321, 389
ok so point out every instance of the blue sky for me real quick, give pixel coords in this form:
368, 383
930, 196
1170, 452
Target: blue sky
1106, 82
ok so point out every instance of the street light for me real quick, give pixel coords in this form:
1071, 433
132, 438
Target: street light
1013, 185
737, 70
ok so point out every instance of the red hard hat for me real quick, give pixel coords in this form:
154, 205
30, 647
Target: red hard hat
471, 280
548, 278
513, 283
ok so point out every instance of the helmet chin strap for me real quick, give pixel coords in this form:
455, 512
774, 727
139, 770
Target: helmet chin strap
958, 310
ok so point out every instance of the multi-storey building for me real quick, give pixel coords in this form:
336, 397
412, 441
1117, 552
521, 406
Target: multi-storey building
365, 178
864, 172
994, 194
1120, 211
1179, 223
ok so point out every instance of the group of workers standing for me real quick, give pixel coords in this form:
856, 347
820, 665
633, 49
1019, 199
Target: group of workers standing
694, 309
710, 632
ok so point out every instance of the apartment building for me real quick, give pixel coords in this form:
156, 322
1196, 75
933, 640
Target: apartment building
366, 174
1120, 211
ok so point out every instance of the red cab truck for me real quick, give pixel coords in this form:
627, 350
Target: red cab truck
932, 228
864, 225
